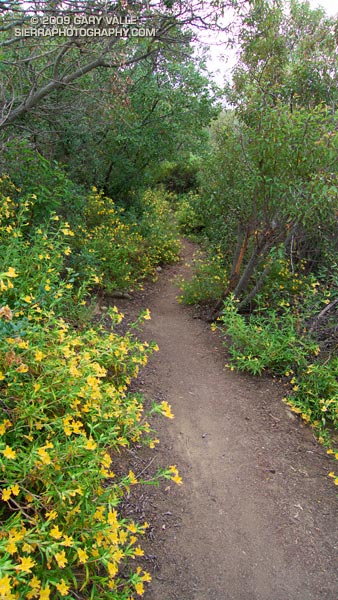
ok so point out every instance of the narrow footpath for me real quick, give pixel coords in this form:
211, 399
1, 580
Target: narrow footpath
256, 518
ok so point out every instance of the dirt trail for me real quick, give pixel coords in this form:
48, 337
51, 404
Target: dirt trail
256, 517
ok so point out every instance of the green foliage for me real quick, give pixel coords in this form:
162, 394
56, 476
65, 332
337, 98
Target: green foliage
271, 175
272, 340
188, 217
315, 395
43, 179
208, 280
276, 340
39, 252
158, 227
179, 177
120, 250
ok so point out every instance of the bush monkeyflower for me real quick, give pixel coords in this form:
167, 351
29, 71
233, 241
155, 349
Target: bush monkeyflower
62, 587
9, 453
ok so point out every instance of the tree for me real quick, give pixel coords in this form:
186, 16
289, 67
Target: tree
35, 65
271, 180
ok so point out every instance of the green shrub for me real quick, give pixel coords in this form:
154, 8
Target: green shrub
208, 282
315, 394
270, 341
120, 250
46, 180
187, 215
158, 228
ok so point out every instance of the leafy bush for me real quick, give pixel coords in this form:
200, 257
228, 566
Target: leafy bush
208, 281
179, 177
158, 228
46, 180
123, 251
65, 409
270, 341
38, 253
187, 215
315, 394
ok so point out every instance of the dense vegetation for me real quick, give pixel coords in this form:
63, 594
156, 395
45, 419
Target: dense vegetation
267, 208
108, 147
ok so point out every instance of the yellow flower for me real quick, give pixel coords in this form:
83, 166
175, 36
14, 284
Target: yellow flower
146, 576
67, 541
56, 533
166, 410
177, 479
15, 489
26, 564
5, 587
132, 528
11, 547
106, 460
45, 593
132, 477
9, 453
35, 583
329, 451
44, 456
138, 551
62, 587
82, 554
61, 559
28, 299
112, 569
51, 515
11, 272
331, 474
90, 445
22, 369
39, 355
139, 588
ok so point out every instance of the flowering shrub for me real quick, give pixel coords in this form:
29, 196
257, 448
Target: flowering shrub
268, 341
65, 414
158, 227
122, 252
208, 281
187, 214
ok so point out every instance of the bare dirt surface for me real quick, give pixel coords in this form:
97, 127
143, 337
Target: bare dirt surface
256, 516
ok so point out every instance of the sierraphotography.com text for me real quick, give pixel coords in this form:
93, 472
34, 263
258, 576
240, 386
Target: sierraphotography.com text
109, 25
